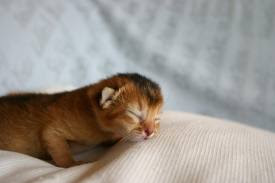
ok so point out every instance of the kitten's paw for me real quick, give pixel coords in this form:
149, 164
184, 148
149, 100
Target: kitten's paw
77, 163
70, 164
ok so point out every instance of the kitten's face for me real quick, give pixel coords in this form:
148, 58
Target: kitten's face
139, 122
130, 114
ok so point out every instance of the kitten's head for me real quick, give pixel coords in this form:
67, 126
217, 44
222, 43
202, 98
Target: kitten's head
131, 110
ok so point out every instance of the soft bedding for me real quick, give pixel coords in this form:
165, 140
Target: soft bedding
189, 148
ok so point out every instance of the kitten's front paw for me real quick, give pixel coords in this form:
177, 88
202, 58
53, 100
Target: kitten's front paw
77, 163
70, 164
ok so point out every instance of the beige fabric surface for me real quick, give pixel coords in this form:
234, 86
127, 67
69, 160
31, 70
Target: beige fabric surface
189, 148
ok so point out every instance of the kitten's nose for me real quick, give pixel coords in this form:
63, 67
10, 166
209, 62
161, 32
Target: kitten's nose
148, 132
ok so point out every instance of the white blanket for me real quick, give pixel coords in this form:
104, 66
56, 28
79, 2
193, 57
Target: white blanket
189, 148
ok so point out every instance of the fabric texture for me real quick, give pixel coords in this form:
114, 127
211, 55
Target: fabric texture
189, 148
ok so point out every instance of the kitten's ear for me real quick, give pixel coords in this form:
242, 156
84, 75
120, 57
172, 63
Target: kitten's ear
109, 95
106, 97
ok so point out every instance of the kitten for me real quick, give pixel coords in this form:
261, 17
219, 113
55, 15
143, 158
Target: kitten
122, 106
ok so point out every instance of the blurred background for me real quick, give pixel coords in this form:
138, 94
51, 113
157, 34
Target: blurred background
213, 57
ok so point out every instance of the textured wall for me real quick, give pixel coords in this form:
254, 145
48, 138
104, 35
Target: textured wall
213, 57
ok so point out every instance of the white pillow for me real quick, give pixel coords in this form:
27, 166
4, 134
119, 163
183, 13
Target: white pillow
189, 148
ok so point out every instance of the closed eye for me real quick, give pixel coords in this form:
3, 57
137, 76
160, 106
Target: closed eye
136, 115
157, 119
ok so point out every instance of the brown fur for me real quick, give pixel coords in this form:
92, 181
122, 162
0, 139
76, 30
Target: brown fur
42, 124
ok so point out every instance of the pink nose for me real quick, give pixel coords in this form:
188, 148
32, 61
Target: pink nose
148, 132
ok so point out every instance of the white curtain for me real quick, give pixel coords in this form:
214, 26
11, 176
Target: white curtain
214, 57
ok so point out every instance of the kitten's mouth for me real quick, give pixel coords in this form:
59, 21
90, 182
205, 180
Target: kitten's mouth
137, 135
151, 135
137, 138
148, 137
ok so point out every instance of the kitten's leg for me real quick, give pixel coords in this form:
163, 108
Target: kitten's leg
58, 149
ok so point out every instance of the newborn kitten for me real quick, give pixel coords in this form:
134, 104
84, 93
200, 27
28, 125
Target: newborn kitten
122, 106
